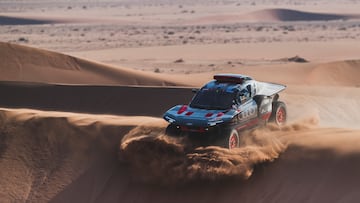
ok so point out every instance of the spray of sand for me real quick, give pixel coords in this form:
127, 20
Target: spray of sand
156, 157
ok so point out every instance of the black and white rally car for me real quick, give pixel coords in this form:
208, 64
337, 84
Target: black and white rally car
226, 106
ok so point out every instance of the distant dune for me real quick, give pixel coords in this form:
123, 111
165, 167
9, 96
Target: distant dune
295, 15
26, 64
272, 15
7, 20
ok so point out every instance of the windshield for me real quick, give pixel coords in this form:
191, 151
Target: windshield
213, 99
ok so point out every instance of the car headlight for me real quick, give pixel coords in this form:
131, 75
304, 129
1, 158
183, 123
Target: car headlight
169, 119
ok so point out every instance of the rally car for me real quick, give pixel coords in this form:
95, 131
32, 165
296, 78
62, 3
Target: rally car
226, 106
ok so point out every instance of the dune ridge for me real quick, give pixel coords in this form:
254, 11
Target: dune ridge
27, 64
59, 157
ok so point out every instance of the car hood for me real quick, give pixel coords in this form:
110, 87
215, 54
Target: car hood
184, 115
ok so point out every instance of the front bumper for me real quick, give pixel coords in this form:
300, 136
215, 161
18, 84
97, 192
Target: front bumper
193, 123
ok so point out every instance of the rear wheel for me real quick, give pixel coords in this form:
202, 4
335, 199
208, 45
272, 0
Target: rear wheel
279, 114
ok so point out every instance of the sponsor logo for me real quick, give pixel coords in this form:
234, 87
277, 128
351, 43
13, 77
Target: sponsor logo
248, 113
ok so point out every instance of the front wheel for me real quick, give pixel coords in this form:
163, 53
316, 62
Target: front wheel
231, 139
173, 131
279, 114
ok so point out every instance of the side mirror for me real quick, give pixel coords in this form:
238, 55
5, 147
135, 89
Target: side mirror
195, 90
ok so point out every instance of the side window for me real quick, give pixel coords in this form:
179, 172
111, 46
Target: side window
244, 96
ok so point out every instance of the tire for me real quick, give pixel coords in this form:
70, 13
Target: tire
231, 139
279, 113
173, 131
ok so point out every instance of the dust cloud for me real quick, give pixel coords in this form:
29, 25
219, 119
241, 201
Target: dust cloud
155, 157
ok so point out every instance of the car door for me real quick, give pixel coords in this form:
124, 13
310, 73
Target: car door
248, 111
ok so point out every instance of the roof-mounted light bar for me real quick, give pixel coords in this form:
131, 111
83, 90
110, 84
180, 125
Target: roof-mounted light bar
231, 78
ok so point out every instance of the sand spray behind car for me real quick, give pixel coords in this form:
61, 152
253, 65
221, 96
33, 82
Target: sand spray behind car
155, 157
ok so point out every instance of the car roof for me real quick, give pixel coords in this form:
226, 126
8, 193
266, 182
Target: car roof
228, 82
229, 77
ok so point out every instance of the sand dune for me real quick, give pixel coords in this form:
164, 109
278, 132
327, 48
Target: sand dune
7, 20
272, 15
27, 64
343, 73
73, 157
277, 14
337, 73
51, 151
20, 63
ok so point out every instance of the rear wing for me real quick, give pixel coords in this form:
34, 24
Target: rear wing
268, 89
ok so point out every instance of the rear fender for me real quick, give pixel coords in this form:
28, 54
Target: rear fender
275, 97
